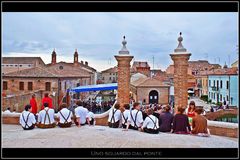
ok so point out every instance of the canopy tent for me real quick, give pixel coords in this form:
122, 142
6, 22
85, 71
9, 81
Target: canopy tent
98, 87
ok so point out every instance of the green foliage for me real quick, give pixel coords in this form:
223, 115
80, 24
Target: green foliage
204, 98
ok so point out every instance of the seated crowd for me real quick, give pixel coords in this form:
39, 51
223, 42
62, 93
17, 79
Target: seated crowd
149, 119
64, 118
159, 119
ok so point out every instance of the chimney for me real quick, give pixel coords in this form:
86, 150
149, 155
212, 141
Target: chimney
54, 57
75, 57
86, 63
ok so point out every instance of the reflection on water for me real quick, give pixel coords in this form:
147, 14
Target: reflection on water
228, 118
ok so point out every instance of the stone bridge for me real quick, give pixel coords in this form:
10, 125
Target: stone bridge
220, 113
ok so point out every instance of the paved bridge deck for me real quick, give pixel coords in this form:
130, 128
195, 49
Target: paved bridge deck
13, 136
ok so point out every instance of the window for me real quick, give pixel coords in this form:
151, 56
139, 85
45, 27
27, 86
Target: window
21, 86
220, 97
110, 78
48, 86
30, 86
61, 67
5, 85
209, 83
102, 78
29, 65
16, 65
110, 74
227, 98
217, 83
20, 65
221, 84
227, 84
214, 83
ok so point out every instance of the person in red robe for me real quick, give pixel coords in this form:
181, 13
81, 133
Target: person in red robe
33, 104
48, 100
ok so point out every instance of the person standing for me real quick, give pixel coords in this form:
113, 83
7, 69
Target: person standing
114, 117
33, 104
191, 111
27, 119
48, 100
166, 119
181, 123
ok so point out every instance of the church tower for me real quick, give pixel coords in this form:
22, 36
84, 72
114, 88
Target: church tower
54, 57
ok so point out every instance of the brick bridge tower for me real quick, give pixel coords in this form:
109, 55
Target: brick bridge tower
123, 59
180, 58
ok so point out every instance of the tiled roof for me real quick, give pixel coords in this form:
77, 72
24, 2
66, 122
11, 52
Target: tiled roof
224, 71
140, 64
148, 82
31, 72
21, 60
111, 70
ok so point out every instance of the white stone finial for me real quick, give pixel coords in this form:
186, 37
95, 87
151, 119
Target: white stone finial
180, 47
124, 48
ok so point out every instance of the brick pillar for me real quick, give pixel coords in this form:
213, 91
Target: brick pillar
123, 79
180, 58
123, 59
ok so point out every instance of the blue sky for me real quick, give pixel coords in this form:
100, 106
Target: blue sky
98, 36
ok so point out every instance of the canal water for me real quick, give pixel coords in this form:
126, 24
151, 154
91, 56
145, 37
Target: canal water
228, 118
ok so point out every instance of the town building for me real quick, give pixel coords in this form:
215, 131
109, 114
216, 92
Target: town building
140, 67
149, 90
55, 78
11, 64
110, 75
223, 85
235, 64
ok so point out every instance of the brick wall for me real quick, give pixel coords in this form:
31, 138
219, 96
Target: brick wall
123, 79
180, 79
143, 93
19, 101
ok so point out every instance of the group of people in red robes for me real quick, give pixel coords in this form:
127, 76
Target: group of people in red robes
33, 103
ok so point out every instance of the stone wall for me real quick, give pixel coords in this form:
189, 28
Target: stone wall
18, 102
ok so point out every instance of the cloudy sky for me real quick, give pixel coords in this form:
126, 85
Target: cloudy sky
98, 36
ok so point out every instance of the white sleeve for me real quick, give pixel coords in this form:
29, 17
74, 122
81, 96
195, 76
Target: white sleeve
140, 117
39, 116
20, 119
129, 119
145, 123
76, 113
33, 118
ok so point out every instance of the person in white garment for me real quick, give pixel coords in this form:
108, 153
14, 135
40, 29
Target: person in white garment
81, 114
8, 110
151, 123
135, 118
125, 115
114, 117
64, 116
27, 119
46, 117
90, 117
